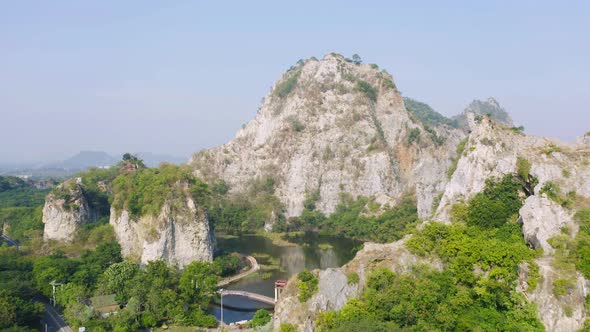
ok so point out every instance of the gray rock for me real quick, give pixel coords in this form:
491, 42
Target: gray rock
180, 234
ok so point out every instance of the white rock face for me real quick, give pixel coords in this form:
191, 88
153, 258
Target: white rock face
179, 235
333, 287
543, 219
492, 150
63, 218
327, 136
553, 310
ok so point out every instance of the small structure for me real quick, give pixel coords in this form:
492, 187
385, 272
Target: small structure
104, 304
279, 286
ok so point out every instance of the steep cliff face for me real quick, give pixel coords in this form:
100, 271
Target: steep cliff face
334, 126
493, 150
179, 234
66, 210
334, 289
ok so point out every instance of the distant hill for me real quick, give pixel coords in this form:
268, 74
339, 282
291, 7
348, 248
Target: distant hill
85, 159
80, 162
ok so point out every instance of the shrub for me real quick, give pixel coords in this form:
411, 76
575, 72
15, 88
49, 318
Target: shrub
287, 85
455, 162
261, 318
307, 285
414, 136
353, 278
389, 84
553, 192
367, 89
523, 168
562, 287
296, 125
285, 327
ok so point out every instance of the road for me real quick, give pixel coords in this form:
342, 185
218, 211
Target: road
11, 242
55, 323
254, 267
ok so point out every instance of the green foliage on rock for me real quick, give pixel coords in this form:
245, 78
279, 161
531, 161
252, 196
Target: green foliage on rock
455, 162
553, 192
287, 85
427, 115
414, 136
307, 285
261, 318
475, 290
286, 327
247, 211
367, 89
144, 191
352, 220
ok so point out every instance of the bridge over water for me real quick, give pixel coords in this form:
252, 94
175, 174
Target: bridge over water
279, 285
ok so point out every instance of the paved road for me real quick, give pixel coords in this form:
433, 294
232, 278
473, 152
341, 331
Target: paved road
254, 267
55, 323
11, 242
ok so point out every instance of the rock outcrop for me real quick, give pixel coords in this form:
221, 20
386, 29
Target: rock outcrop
179, 234
543, 219
490, 108
66, 210
334, 126
334, 289
493, 150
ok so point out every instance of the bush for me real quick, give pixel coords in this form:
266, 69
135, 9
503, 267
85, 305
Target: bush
553, 192
414, 136
285, 327
287, 85
296, 125
455, 162
307, 285
353, 278
367, 89
261, 318
523, 168
496, 204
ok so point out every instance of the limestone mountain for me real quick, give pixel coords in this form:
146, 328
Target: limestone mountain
334, 126
556, 188
489, 107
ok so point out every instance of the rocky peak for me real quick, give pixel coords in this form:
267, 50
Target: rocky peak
66, 210
333, 126
490, 107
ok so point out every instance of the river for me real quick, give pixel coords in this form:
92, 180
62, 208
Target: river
310, 251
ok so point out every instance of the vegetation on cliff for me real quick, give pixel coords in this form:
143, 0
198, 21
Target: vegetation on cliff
481, 251
144, 192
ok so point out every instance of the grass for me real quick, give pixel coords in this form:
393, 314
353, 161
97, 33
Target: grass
278, 239
325, 246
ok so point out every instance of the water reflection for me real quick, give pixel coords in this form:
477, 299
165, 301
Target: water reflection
312, 251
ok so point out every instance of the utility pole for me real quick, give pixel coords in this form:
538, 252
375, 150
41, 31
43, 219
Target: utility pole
221, 292
53, 284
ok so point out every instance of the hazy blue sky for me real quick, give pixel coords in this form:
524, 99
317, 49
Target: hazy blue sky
178, 76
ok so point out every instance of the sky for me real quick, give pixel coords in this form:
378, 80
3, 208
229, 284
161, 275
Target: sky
175, 77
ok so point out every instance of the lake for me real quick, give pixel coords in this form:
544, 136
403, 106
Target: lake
310, 251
